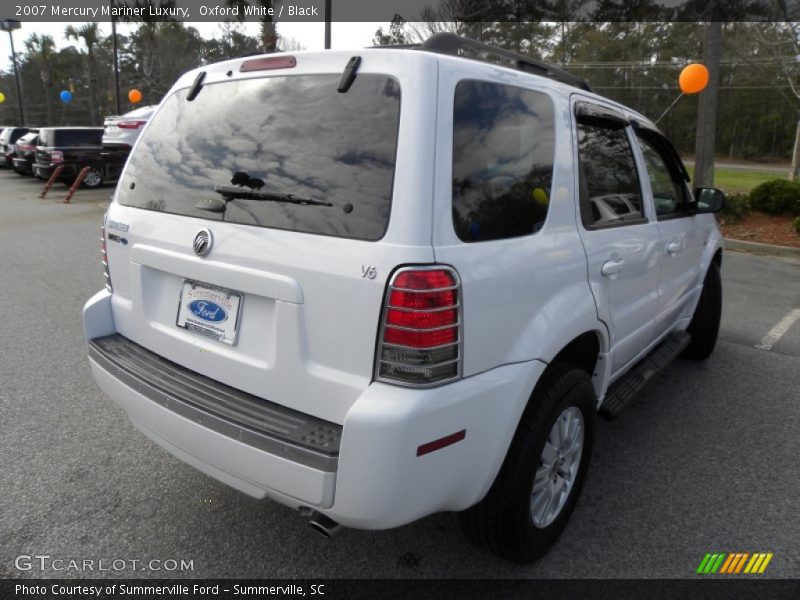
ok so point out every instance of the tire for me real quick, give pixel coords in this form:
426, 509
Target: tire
704, 327
93, 178
504, 522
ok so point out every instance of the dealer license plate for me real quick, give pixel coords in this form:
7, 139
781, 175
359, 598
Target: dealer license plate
210, 311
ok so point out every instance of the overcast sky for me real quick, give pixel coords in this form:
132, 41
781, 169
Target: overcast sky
310, 35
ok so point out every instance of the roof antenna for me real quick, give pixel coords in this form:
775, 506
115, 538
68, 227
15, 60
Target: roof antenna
349, 74
196, 86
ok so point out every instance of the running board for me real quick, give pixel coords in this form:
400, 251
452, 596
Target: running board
625, 389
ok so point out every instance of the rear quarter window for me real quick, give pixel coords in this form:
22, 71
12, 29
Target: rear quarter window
503, 149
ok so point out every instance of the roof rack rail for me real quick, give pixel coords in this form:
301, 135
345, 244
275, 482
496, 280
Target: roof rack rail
450, 43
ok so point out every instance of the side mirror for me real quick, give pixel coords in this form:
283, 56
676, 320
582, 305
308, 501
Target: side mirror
707, 200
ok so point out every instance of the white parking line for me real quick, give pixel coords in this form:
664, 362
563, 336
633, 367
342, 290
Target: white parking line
776, 333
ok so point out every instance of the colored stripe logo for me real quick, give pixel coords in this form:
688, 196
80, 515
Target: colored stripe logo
732, 563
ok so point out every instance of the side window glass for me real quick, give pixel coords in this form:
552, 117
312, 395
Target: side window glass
665, 181
503, 149
610, 192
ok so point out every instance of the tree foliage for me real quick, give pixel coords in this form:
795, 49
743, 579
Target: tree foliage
151, 58
638, 63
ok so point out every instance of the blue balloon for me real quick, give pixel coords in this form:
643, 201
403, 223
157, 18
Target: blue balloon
66, 97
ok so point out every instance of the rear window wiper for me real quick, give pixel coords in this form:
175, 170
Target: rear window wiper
231, 192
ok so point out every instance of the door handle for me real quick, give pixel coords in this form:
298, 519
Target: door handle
673, 248
612, 267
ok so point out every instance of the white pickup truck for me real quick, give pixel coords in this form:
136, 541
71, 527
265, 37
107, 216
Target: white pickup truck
378, 285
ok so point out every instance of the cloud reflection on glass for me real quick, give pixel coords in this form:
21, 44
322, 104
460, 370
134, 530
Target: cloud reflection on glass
297, 134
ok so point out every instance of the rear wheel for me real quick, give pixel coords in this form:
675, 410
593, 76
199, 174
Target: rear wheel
93, 178
531, 500
704, 327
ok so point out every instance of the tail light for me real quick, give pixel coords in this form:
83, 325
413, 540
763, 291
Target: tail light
106, 272
56, 156
420, 341
130, 124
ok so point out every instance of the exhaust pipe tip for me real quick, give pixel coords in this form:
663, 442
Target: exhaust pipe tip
323, 525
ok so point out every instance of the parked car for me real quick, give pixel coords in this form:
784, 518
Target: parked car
395, 298
8, 140
119, 137
24, 153
72, 148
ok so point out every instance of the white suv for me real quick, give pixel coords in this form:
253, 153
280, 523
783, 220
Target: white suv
381, 286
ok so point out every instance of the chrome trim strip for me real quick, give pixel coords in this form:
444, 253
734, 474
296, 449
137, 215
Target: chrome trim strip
430, 291
406, 365
430, 310
402, 347
423, 330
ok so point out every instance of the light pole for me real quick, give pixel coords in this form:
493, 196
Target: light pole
116, 57
328, 9
10, 26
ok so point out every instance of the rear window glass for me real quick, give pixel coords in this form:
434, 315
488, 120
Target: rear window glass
281, 152
71, 137
503, 147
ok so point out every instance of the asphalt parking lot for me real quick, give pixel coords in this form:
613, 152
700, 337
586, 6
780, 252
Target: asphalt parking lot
705, 460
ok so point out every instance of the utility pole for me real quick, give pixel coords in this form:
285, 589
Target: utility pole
10, 26
116, 59
707, 107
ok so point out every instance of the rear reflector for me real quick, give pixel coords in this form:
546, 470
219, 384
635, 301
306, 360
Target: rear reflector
266, 64
420, 338
442, 442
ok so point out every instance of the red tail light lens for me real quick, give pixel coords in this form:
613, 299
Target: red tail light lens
56, 156
420, 341
130, 124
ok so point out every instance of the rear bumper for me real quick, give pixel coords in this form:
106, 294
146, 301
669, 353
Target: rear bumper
45, 170
377, 480
22, 165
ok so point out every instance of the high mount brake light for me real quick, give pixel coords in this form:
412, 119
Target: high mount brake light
267, 64
420, 341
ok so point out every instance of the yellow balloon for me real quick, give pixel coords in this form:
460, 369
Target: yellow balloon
693, 78
540, 196
2, 97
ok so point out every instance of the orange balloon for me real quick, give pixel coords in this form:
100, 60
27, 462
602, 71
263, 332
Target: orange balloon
135, 96
693, 78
